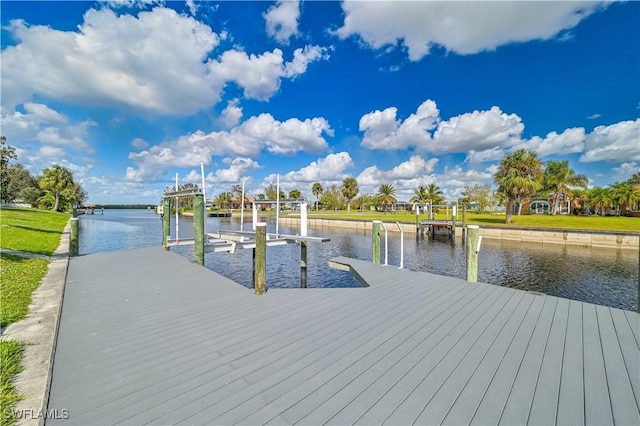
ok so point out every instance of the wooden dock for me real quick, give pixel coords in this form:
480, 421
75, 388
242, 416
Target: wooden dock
148, 338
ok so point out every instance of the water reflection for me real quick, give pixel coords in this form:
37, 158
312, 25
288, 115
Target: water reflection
602, 276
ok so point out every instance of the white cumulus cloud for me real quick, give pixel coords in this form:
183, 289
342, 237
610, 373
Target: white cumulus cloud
330, 168
282, 20
157, 61
245, 140
477, 130
461, 27
570, 141
383, 130
617, 142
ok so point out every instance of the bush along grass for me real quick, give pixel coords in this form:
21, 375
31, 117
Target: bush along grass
10, 356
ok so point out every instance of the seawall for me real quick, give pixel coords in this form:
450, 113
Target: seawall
601, 239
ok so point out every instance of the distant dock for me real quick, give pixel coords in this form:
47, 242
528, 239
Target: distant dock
148, 337
209, 214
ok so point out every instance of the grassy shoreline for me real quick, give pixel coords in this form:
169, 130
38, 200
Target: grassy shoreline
542, 222
31, 231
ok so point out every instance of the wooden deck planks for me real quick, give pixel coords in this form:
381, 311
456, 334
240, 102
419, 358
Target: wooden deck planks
545, 400
623, 403
571, 397
597, 401
159, 340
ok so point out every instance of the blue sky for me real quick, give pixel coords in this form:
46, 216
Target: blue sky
127, 94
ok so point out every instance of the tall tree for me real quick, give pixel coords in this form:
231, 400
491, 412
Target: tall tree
317, 191
20, 185
625, 195
580, 199
224, 200
481, 195
349, 190
295, 194
272, 192
601, 199
363, 201
387, 195
332, 198
421, 195
519, 175
56, 179
634, 179
434, 194
560, 180
74, 193
7, 153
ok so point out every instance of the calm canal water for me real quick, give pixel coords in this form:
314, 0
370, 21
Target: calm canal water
602, 276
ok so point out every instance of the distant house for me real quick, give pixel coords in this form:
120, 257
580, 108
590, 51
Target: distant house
540, 207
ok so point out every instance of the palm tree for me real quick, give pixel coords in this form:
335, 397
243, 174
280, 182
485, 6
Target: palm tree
295, 194
349, 190
559, 179
625, 195
363, 201
56, 180
421, 195
435, 194
600, 199
580, 199
224, 199
387, 195
519, 175
317, 191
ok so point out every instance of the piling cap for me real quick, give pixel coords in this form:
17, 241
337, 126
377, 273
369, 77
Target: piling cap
261, 223
473, 226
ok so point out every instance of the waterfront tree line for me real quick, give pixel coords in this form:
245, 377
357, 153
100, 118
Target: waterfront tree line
521, 176
54, 189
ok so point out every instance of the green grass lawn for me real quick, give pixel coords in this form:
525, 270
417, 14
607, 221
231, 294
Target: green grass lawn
20, 277
10, 356
33, 231
590, 223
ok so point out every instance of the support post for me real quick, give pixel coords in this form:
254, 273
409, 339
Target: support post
375, 241
303, 264
473, 236
454, 212
464, 215
260, 262
166, 222
74, 247
198, 228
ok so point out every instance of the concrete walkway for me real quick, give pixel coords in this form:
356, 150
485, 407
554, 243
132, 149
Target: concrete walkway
39, 331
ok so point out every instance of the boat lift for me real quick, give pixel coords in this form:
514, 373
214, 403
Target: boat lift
229, 240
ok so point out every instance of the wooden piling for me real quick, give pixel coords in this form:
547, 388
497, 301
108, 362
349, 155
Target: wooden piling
260, 262
198, 228
473, 234
74, 246
454, 213
303, 264
375, 241
166, 222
